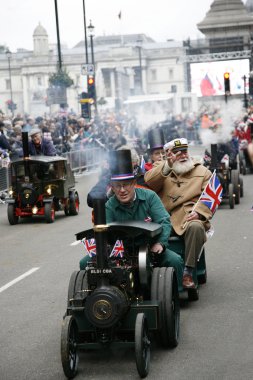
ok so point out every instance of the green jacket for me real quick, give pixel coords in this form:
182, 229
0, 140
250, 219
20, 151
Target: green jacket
147, 204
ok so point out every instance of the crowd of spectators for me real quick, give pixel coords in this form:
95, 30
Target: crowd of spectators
68, 132
108, 130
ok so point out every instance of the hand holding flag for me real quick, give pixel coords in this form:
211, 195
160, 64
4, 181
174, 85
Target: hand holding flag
212, 194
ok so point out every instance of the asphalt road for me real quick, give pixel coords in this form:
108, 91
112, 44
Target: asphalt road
216, 331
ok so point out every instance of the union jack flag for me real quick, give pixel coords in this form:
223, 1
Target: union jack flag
142, 165
118, 249
90, 246
212, 195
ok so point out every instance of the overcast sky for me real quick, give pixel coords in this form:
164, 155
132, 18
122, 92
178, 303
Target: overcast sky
159, 19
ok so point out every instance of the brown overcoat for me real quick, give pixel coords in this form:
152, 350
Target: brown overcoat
180, 192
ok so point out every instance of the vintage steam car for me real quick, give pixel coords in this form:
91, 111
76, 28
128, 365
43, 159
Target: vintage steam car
228, 174
41, 185
119, 301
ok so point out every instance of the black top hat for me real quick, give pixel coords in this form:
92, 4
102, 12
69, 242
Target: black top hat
156, 139
121, 165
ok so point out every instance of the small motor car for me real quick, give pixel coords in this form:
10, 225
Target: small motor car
228, 174
41, 185
119, 301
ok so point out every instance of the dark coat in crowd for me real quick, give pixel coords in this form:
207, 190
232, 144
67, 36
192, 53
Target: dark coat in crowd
46, 148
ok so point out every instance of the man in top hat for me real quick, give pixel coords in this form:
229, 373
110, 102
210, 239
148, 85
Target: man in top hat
38, 146
155, 147
131, 203
179, 181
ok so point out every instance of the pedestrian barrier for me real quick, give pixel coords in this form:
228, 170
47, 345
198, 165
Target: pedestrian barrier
4, 182
85, 159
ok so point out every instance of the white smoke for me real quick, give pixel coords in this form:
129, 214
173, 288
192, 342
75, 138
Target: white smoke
229, 113
148, 114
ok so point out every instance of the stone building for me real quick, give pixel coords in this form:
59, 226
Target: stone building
128, 67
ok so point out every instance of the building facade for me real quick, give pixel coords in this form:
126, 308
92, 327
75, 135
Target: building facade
126, 67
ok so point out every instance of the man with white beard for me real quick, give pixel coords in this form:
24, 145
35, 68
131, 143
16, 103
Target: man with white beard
179, 181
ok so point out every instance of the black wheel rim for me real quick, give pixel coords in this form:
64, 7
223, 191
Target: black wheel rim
72, 347
175, 310
145, 346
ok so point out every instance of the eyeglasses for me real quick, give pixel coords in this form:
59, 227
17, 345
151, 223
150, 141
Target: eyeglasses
125, 186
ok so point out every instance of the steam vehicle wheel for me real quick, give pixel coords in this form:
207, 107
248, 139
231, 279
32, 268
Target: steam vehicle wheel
236, 182
231, 198
241, 186
74, 203
69, 356
164, 288
49, 212
13, 219
142, 345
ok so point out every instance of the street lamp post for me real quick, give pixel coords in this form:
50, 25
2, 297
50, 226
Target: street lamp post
8, 55
85, 33
91, 34
139, 47
58, 36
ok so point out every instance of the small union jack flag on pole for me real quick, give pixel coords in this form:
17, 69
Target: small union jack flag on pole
212, 194
142, 165
118, 249
90, 246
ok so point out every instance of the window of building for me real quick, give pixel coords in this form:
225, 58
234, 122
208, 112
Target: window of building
153, 74
7, 84
174, 88
39, 81
171, 74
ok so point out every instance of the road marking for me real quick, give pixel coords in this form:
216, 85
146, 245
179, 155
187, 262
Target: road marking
18, 279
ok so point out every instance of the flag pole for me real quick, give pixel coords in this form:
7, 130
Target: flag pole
194, 207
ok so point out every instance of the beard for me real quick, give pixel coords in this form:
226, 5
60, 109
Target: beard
183, 167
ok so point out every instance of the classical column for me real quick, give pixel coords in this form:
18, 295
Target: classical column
26, 103
144, 79
112, 80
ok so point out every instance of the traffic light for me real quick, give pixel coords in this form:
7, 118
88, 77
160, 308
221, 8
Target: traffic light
227, 83
85, 105
91, 87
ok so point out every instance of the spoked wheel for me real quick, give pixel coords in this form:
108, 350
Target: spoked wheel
49, 212
74, 204
236, 182
241, 186
69, 356
164, 288
12, 217
142, 345
231, 198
